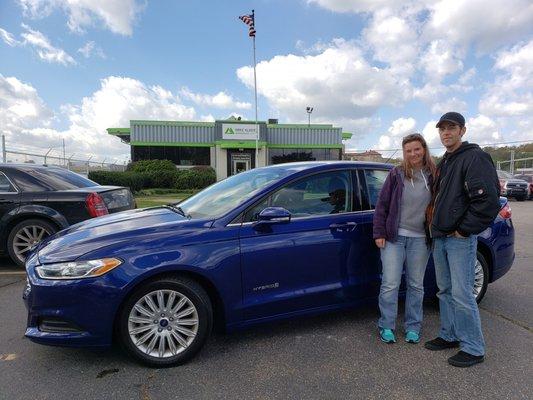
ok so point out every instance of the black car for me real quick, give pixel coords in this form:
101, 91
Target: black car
512, 187
529, 180
37, 201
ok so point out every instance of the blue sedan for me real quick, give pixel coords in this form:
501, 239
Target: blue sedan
270, 243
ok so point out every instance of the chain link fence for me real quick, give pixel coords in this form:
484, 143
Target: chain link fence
56, 156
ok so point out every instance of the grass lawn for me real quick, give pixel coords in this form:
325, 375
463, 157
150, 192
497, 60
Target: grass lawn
144, 200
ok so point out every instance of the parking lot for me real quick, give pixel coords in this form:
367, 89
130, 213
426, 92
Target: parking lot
326, 357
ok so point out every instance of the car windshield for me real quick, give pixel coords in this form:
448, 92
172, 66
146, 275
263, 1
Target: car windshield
218, 199
504, 175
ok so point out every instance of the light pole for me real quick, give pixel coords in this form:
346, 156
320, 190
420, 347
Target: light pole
309, 111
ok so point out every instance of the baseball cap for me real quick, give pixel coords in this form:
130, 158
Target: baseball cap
453, 117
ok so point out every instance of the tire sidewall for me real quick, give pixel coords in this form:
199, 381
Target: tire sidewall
485, 268
28, 222
195, 293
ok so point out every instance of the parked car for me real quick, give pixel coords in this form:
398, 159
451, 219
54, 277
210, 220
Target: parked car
266, 244
512, 187
37, 201
529, 180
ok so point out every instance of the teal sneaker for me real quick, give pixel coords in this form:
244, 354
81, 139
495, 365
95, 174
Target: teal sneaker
412, 337
387, 335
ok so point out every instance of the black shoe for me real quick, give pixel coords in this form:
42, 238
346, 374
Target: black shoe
440, 344
463, 360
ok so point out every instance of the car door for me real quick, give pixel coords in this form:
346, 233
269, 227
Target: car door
302, 264
368, 265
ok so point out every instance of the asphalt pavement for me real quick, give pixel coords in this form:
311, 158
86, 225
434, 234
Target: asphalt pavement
333, 356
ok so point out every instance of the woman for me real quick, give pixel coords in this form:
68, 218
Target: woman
399, 232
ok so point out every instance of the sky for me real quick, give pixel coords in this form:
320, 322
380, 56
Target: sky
70, 69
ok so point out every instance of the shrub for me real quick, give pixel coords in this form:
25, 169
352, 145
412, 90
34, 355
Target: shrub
160, 179
195, 178
152, 166
132, 180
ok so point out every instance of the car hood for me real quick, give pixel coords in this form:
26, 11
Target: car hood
123, 227
515, 180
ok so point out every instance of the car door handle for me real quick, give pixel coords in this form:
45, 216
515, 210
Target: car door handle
345, 226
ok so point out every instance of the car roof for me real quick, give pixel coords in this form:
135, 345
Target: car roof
28, 165
309, 165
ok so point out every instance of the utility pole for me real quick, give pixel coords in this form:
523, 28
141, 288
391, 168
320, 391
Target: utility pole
64, 157
512, 162
4, 153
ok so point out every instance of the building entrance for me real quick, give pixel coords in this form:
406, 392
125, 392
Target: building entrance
240, 161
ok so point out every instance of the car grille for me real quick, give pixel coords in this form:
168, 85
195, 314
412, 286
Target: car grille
517, 185
56, 325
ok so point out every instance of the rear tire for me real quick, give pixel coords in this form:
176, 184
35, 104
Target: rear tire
26, 234
165, 322
481, 277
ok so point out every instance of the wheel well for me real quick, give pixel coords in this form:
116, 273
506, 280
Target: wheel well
11, 224
487, 255
219, 318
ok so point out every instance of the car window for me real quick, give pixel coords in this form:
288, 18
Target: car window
504, 175
320, 194
373, 182
5, 185
46, 179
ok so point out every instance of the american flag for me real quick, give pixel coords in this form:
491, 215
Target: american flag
249, 20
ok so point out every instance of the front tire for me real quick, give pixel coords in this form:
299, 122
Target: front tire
166, 322
481, 277
26, 234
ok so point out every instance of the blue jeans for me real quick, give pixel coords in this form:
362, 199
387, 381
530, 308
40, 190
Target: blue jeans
414, 253
455, 260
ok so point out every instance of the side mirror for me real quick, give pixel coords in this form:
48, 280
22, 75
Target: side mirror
273, 215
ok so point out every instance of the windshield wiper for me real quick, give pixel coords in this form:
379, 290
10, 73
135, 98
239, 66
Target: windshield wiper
178, 209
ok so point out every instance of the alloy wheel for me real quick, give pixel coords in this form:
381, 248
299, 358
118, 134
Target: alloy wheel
26, 238
163, 323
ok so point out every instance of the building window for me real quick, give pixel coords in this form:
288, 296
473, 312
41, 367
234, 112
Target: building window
278, 156
178, 155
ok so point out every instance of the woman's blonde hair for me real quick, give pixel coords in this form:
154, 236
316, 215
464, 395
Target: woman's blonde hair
428, 164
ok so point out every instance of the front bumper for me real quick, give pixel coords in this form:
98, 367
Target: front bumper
71, 313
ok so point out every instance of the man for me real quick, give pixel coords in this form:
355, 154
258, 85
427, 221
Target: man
465, 202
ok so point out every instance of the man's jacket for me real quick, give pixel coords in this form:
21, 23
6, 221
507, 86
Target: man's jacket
467, 192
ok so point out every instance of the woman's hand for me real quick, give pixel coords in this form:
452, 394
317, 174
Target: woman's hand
380, 243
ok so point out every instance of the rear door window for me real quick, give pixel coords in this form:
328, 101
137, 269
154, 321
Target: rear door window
5, 184
372, 181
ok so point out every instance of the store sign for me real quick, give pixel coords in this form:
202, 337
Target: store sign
240, 131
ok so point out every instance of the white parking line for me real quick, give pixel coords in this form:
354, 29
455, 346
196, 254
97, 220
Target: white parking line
12, 272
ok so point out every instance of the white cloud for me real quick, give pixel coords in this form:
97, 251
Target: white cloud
28, 122
116, 15
219, 100
393, 39
338, 83
358, 6
486, 24
8, 38
20, 106
511, 94
452, 103
440, 59
399, 128
90, 48
40, 43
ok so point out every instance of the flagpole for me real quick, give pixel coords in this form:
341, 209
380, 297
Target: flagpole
255, 93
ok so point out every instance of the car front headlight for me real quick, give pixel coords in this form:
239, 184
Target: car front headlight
77, 269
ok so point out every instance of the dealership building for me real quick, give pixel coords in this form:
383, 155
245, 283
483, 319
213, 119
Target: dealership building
229, 146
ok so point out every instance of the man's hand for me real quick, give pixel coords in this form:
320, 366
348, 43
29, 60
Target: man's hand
380, 243
458, 235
